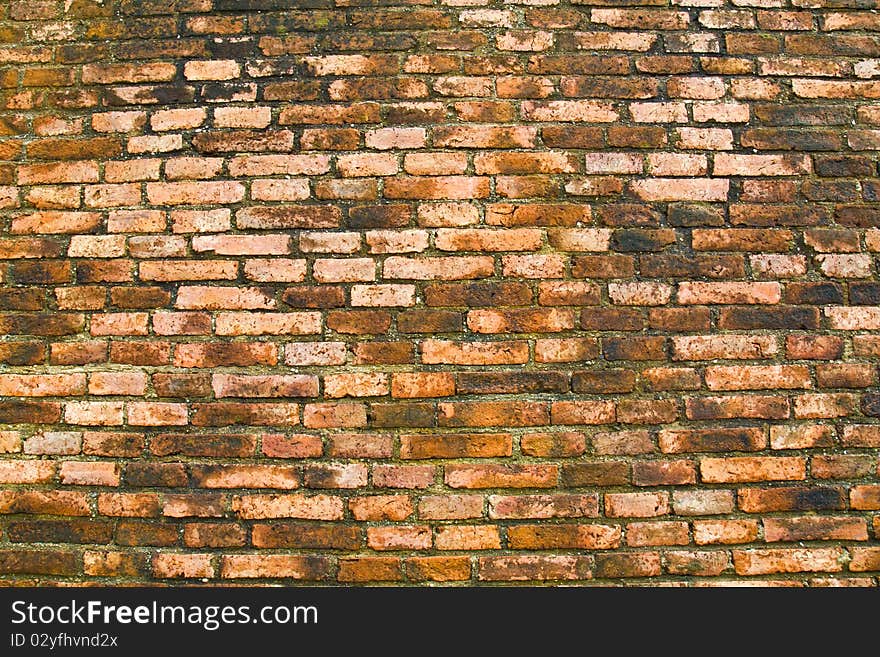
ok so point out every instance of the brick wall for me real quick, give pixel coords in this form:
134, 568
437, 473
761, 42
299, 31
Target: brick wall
444, 291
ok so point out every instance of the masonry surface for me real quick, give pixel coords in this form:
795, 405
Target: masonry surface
465, 292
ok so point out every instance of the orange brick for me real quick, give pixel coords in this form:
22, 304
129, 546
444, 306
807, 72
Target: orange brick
250, 566
439, 569
370, 569
636, 505
515, 294
512, 476
89, 473
647, 534
752, 468
724, 532
546, 537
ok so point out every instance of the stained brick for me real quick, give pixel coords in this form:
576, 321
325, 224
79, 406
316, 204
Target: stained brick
539, 293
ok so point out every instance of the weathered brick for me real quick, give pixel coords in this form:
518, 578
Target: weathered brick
769, 561
647, 534
752, 468
370, 569
512, 476
725, 532
807, 528
635, 564
549, 537
638, 505
791, 498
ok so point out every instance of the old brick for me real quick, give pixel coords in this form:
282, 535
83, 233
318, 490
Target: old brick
641, 279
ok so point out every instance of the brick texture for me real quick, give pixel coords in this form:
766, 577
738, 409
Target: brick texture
427, 291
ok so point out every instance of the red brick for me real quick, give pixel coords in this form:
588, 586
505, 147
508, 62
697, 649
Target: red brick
311, 507
38, 385
293, 446
114, 564
55, 222
256, 413
635, 411
737, 406
241, 385
807, 528
843, 466
381, 507
648, 534
725, 532
544, 506
296, 567
403, 476
473, 353
485, 414
437, 187
512, 476
417, 446
712, 347
236, 354
89, 473
790, 498
636, 505
213, 535
664, 473
370, 569
450, 507
58, 503
758, 377
399, 537
583, 412
865, 497
182, 565
438, 569
553, 444
634, 564
243, 476
800, 436
864, 559
306, 535
334, 415
445, 268
548, 537
590, 219
752, 468
93, 413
